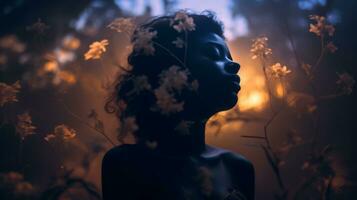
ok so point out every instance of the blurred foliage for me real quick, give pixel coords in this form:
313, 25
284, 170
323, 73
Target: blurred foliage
45, 79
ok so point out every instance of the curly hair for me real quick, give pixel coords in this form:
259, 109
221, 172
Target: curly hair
146, 68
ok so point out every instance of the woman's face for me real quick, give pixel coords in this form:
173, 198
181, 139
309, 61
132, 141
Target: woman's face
210, 62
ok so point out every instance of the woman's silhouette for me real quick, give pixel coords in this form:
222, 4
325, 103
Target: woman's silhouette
181, 74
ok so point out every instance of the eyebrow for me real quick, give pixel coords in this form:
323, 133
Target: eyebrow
221, 48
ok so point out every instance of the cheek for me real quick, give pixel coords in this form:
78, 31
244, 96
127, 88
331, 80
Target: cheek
207, 72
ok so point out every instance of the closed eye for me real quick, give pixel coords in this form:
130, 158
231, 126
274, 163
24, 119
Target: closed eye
213, 52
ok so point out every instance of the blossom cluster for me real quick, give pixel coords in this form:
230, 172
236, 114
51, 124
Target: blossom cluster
96, 49
321, 26
24, 125
260, 48
182, 22
122, 25
14, 184
8, 92
143, 41
63, 132
346, 82
278, 70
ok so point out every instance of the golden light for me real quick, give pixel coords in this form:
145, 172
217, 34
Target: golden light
51, 66
253, 100
71, 42
64, 76
279, 90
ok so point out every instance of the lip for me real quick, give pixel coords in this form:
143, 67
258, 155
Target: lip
236, 86
235, 83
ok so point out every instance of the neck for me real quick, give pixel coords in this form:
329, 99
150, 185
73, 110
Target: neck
190, 141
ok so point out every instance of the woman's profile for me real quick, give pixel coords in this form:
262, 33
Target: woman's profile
181, 74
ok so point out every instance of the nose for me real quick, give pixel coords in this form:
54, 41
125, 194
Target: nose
232, 67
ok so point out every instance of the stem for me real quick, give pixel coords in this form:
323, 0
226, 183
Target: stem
322, 53
186, 47
87, 124
268, 85
170, 53
266, 126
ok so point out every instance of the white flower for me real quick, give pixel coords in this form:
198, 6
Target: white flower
278, 70
166, 102
346, 82
174, 78
24, 125
321, 26
49, 137
65, 132
260, 48
11, 42
71, 42
179, 43
182, 22
8, 92
140, 83
143, 41
96, 49
331, 47
122, 25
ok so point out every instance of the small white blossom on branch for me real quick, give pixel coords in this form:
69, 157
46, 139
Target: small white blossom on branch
279, 71
182, 22
140, 83
346, 82
122, 25
331, 47
8, 92
179, 43
174, 78
320, 26
96, 49
166, 102
65, 132
260, 48
143, 41
24, 125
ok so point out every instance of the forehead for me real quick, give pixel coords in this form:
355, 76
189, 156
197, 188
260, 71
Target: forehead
211, 38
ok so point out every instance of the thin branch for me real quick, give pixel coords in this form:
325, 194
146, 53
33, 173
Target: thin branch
170, 53
322, 53
253, 136
86, 123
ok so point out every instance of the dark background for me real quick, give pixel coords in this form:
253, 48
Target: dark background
275, 19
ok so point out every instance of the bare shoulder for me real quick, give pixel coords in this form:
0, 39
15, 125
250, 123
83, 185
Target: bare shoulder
240, 169
227, 156
120, 154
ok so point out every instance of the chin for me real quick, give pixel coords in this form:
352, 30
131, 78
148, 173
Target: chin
230, 102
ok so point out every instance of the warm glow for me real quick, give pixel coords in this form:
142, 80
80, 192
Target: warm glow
71, 42
64, 76
279, 90
253, 100
51, 66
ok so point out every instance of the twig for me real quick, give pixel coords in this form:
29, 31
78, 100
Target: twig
86, 123
170, 53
